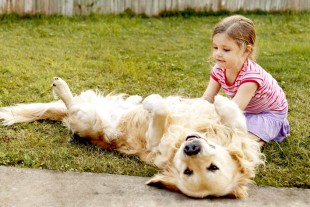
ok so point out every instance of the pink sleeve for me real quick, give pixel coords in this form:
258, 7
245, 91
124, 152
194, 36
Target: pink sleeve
253, 81
214, 73
255, 76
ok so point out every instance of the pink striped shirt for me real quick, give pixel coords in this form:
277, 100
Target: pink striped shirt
269, 97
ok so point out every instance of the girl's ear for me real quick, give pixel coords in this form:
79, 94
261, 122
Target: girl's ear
248, 50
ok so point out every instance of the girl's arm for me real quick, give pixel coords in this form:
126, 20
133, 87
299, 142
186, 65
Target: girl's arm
211, 91
244, 94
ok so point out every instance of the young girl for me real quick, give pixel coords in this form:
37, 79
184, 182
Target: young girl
254, 90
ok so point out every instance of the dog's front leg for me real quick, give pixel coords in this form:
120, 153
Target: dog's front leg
156, 105
230, 113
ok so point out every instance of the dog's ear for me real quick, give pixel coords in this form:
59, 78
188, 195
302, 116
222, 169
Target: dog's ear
164, 180
238, 156
240, 190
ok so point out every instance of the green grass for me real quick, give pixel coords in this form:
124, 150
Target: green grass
141, 56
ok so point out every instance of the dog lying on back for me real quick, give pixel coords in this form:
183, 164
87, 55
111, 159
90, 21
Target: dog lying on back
202, 149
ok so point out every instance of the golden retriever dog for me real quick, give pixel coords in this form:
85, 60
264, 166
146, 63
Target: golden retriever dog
202, 149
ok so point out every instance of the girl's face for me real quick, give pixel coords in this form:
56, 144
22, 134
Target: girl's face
227, 54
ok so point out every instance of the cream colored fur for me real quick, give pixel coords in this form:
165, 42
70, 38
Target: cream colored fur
202, 149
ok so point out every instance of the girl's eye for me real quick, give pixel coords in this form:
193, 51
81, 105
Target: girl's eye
215, 48
226, 50
188, 172
212, 168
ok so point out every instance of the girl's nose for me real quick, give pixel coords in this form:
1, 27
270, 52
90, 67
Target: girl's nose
218, 53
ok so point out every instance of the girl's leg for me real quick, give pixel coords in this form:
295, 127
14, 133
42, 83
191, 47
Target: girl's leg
257, 139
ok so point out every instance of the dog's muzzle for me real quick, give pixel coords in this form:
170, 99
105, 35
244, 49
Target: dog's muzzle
192, 147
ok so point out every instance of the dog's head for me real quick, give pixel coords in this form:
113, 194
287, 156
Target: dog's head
201, 168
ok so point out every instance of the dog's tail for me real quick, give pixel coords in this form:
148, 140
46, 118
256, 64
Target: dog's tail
31, 112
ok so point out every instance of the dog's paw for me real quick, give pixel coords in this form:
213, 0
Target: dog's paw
135, 99
229, 112
60, 87
62, 90
224, 105
151, 101
155, 104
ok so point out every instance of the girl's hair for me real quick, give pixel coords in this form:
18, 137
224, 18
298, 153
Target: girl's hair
240, 29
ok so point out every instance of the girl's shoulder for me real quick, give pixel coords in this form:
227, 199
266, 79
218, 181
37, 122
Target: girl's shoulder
252, 67
217, 73
217, 70
217, 67
252, 72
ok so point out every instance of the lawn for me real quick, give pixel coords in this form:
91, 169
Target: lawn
169, 56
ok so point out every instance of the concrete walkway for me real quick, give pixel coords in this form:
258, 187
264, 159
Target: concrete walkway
31, 187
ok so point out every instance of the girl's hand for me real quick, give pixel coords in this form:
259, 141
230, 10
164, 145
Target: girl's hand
211, 91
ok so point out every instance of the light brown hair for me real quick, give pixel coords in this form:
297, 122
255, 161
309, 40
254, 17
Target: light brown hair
240, 29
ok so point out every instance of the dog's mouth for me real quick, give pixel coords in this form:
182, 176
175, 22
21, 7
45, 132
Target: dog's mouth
192, 136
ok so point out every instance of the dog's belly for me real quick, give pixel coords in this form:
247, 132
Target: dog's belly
98, 117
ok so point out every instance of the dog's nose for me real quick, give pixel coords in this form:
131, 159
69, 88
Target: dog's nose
192, 148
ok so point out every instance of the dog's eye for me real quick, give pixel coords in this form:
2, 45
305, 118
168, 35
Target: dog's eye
212, 146
188, 172
212, 167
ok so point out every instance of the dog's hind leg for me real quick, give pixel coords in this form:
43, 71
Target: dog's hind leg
62, 90
36, 111
86, 119
156, 105
32, 112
